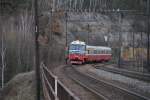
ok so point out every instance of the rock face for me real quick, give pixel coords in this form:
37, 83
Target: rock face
21, 87
105, 25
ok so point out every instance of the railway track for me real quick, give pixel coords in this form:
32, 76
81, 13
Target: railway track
132, 74
104, 90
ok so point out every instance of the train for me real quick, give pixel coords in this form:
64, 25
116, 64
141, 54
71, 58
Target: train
80, 53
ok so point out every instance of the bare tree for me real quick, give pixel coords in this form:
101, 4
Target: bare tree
3, 55
25, 41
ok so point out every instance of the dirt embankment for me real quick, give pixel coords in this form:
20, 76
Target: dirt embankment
21, 87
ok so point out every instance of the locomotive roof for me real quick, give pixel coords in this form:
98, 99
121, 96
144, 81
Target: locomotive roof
78, 42
98, 47
90, 47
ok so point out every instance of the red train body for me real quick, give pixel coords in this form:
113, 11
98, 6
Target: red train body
80, 53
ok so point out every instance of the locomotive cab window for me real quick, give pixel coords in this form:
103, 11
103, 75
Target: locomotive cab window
77, 48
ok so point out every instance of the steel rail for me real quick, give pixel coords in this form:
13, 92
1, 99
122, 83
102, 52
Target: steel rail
87, 81
115, 86
132, 74
88, 88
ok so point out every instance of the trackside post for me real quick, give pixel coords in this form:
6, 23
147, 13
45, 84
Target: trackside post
56, 79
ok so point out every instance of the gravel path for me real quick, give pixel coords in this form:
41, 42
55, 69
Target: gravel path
78, 90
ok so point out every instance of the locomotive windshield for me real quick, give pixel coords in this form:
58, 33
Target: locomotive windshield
76, 48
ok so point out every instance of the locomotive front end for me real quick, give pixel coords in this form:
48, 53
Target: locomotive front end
77, 52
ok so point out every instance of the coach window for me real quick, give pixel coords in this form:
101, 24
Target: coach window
88, 51
103, 51
94, 51
97, 51
107, 52
100, 51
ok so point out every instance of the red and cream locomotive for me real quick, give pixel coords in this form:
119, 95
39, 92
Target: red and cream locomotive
79, 53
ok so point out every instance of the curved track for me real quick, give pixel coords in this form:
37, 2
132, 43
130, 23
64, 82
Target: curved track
132, 74
105, 90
